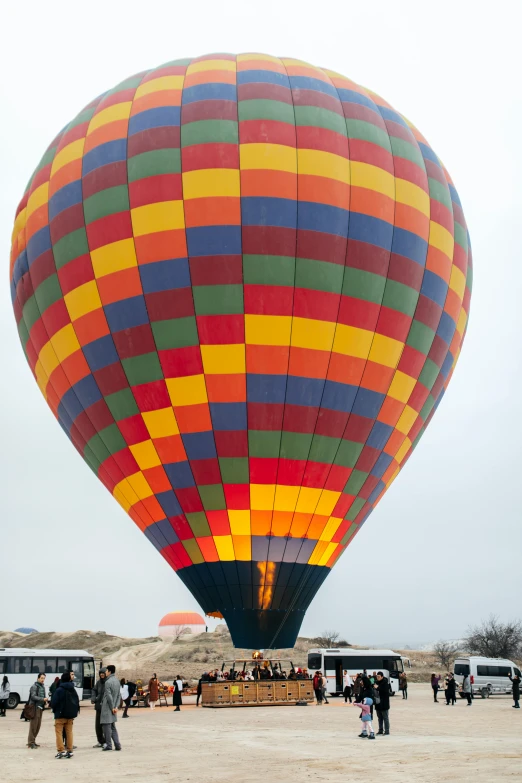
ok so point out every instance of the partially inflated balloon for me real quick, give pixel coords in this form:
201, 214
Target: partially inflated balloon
242, 284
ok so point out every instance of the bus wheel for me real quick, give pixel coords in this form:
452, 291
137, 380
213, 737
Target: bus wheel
13, 701
484, 693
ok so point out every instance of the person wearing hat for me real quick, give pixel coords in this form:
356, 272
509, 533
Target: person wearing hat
96, 699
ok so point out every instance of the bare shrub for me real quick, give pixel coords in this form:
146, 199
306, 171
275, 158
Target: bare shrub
494, 639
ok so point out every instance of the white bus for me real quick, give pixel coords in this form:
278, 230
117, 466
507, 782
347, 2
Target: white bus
22, 667
488, 675
332, 664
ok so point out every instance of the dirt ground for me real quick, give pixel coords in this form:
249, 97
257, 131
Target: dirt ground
428, 743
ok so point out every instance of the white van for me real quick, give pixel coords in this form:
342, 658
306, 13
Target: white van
488, 675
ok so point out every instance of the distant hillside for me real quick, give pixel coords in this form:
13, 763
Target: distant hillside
189, 655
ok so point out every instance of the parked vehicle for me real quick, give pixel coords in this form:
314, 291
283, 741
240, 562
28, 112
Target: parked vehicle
23, 666
333, 663
488, 675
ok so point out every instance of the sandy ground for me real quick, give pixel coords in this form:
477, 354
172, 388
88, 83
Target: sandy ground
429, 742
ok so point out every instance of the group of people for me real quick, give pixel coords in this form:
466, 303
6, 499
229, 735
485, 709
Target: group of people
372, 692
450, 688
264, 672
108, 696
65, 705
359, 685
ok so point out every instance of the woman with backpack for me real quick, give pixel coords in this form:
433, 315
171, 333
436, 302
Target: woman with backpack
65, 706
5, 690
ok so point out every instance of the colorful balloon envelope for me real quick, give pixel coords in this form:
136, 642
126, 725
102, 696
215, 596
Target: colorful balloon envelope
242, 285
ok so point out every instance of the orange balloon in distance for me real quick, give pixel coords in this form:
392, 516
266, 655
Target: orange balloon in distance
242, 285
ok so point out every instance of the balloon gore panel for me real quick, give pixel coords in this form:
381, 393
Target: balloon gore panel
242, 284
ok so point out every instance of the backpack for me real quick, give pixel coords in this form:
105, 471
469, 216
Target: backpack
132, 688
69, 704
376, 696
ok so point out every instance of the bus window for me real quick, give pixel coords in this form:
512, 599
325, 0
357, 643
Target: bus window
3, 666
43, 665
62, 665
314, 661
19, 665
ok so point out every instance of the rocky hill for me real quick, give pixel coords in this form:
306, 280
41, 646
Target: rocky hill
188, 655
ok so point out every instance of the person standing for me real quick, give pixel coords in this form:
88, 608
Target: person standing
53, 687
366, 717
109, 709
466, 688
125, 696
317, 686
516, 690
198, 692
403, 685
357, 687
96, 699
153, 691
324, 688
382, 703
367, 691
178, 690
5, 690
65, 706
36, 697
347, 686
435, 679
450, 690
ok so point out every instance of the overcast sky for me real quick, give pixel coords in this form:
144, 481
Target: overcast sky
443, 548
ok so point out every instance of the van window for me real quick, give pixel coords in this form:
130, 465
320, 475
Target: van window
493, 671
462, 668
517, 672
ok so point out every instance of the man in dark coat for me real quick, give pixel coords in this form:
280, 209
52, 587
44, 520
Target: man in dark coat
383, 703
96, 699
65, 706
516, 690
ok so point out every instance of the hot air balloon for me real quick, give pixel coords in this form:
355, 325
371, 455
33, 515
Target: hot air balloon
242, 284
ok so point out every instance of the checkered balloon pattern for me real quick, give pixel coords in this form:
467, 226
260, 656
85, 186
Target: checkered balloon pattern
242, 285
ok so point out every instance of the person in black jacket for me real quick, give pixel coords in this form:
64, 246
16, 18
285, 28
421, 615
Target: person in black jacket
516, 690
96, 699
382, 689
65, 706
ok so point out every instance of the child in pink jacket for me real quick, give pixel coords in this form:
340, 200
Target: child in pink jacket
366, 717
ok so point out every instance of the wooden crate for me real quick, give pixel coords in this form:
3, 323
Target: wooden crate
281, 691
265, 691
292, 690
306, 691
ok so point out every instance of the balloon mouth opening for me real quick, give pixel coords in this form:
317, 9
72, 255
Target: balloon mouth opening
216, 614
